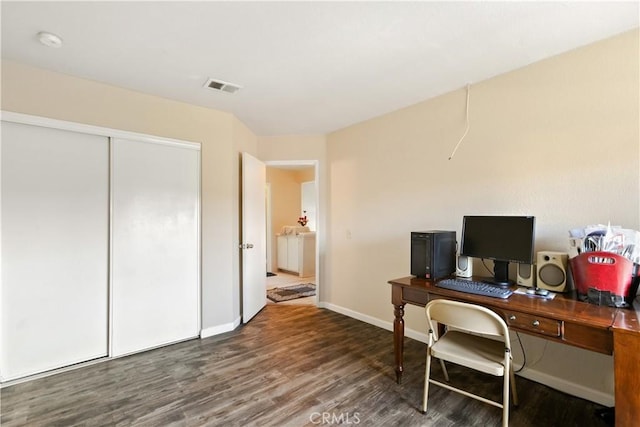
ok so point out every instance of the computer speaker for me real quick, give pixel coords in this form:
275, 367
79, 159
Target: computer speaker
464, 266
552, 271
526, 275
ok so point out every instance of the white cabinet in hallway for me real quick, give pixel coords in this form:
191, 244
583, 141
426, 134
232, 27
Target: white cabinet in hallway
297, 253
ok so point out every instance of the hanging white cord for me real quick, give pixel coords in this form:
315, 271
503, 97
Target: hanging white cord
467, 129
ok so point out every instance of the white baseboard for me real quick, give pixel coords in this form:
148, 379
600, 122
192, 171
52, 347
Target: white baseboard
220, 329
411, 333
560, 384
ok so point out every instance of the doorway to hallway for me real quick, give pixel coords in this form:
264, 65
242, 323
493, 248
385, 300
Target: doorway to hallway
291, 195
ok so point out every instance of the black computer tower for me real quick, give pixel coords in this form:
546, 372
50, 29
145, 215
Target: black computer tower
433, 253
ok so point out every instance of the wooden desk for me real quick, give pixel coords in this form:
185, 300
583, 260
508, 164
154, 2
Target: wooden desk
563, 319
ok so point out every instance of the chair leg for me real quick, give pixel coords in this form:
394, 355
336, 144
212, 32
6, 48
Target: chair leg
444, 370
425, 396
505, 400
514, 392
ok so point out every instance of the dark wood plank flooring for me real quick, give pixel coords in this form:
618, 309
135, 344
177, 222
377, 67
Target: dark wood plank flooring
290, 366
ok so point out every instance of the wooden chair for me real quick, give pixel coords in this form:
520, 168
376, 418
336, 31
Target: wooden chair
489, 352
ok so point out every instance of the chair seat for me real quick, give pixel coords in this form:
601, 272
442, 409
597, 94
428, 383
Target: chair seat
476, 352
470, 341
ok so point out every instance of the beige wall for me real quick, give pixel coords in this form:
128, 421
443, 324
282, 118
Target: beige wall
292, 148
306, 175
42, 93
558, 139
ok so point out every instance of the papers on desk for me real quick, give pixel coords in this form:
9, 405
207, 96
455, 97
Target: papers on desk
605, 238
523, 291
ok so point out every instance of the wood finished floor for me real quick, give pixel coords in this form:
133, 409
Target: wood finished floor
287, 367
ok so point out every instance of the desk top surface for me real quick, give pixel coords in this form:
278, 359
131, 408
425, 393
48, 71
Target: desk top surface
563, 307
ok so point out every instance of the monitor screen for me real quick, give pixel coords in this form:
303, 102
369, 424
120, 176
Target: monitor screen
503, 239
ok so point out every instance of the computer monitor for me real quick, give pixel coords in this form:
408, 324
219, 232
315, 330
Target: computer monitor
503, 239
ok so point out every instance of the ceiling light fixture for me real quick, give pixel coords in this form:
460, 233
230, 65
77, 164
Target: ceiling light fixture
49, 39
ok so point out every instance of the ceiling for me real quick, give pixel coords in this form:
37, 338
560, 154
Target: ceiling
305, 67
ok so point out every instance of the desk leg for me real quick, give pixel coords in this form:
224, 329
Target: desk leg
398, 339
626, 348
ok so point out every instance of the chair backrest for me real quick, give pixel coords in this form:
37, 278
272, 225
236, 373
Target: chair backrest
467, 317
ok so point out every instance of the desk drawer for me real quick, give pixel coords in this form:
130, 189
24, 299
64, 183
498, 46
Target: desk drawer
536, 324
600, 340
414, 296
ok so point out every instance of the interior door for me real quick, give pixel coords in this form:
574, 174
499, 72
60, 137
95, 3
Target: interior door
55, 231
254, 239
308, 198
155, 250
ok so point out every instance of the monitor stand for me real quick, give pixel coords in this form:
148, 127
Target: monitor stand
500, 274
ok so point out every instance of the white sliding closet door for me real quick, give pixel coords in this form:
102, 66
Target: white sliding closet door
55, 231
155, 244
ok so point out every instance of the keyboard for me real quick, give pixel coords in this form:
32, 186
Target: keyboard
477, 288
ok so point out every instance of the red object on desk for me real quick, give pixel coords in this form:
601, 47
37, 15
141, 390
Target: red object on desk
603, 278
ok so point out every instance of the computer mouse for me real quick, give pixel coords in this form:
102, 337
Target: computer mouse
542, 292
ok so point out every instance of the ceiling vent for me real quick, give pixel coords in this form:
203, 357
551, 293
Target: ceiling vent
222, 86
